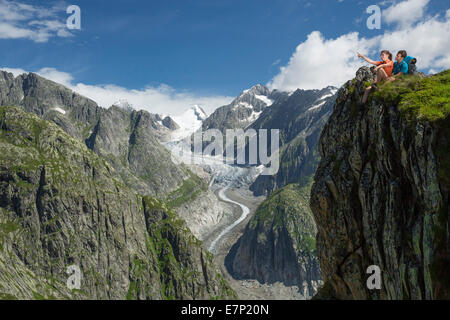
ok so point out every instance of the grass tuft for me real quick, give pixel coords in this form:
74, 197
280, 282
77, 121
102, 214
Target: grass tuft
419, 98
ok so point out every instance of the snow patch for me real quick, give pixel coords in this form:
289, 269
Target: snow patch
246, 105
316, 106
264, 99
60, 110
189, 122
326, 96
254, 116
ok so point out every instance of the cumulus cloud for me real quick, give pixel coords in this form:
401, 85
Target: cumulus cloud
15, 71
36, 23
319, 62
405, 13
161, 99
63, 78
427, 40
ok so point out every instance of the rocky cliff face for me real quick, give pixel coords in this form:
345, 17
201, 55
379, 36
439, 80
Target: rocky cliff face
300, 119
243, 110
128, 139
381, 192
49, 100
62, 205
169, 123
279, 243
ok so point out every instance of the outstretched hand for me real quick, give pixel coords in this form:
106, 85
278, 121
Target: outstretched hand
360, 55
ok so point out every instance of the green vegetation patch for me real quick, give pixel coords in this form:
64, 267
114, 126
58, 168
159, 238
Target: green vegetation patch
419, 98
289, 208
425, 99
191, 188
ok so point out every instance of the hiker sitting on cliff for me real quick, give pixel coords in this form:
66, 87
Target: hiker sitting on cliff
383, 70
400, 66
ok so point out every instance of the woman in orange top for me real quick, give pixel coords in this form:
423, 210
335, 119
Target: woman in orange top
383, 70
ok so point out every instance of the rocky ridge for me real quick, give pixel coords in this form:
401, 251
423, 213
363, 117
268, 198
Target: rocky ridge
62, 205
381, 191
279, 243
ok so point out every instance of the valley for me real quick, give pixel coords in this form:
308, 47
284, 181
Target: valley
231, 187
121, 194
249, 289
199, 196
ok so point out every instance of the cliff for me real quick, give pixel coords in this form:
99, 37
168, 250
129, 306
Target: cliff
61, 205
279, 243
128, 139
300, 119
381, 191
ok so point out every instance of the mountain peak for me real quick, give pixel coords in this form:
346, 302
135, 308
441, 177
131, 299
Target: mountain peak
198, 112
188, 122
258, 89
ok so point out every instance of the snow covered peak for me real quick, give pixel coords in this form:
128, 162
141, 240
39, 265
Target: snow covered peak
258, 89
189, 122
198, 112
257, 97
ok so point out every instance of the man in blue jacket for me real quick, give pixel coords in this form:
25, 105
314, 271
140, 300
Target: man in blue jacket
400, 66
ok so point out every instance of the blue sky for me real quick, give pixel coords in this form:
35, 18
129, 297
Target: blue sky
220, 46
200, 47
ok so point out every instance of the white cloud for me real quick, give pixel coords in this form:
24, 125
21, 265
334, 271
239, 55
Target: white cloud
9, 31
428, 41
63, 78
405, 13
39, 24
15, 71
162, 99
319, 62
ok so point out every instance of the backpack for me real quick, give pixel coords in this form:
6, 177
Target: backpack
412, 68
